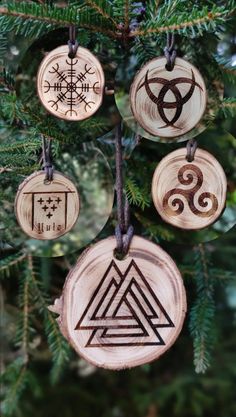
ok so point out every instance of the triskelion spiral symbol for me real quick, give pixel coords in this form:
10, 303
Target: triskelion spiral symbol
176, 206
170, 85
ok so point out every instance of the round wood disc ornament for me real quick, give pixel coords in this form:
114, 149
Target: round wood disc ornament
46, 210
71, 88
122, 313
168, 103
189, 195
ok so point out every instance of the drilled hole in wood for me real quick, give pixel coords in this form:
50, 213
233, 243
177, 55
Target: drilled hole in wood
120, 256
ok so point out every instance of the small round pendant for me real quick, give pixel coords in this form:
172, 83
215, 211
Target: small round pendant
46, 211
71, 88
189, 195
122, 313
168, 103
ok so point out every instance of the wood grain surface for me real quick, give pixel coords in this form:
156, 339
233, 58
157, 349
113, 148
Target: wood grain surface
71, 89
122, 313
46, 211
189, 195
168, 103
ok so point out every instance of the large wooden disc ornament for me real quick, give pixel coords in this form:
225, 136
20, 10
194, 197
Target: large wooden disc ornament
71, 88
122, 313
189, 195
168, 103
46, 210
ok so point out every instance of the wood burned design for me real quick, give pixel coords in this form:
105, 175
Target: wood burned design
170, 85
46, 211
47, 208
168, 103
71, 88
123, 310
189, 194
120, 314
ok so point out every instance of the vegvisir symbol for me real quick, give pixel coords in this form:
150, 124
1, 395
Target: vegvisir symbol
170, 85
203, 198
71, 87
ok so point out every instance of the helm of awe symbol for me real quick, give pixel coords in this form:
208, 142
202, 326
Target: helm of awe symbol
71, 89
168, 103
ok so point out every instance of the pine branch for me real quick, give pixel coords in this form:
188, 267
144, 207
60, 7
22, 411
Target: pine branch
7, 81
58, 346
15, 379
144, 50
136, 195
227, 108
21, 146
24, 325
11, 262
228, 70
104, 8
153, 230
3, 48
126, 15
31, 19
202, 313
13, 110
222, 274
218, 274
192, 22
22, 157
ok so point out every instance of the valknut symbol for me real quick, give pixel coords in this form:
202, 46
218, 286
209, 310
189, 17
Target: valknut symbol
122, 313
168, 103
124, 309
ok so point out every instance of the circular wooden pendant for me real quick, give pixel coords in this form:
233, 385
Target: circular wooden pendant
189, 195
71, 89
46, 210
122, 313
168, 103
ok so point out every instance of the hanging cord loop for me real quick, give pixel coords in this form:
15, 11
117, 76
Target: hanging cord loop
72, 42
47, 160
124, 230
170, 52
191, 149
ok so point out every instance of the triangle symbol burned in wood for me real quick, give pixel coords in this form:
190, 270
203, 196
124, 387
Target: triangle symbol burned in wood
124, 311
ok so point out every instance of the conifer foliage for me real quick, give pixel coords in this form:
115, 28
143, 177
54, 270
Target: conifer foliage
110, 28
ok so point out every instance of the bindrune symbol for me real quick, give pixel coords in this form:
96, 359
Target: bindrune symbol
124, 311
169, 85
203, 199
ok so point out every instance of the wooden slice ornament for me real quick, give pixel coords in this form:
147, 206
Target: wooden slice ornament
122, 313
71, 88
168, 103
189, 195
48, 210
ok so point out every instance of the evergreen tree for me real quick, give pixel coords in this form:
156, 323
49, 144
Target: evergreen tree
32, 345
